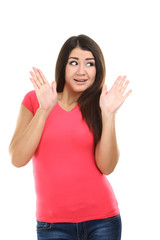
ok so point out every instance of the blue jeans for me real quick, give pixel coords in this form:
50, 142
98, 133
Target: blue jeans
100, 229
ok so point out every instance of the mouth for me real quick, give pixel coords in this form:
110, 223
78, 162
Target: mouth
80, 80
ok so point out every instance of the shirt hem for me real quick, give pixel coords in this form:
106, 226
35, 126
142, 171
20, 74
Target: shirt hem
74, 220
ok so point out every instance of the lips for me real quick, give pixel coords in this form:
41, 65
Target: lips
80, 80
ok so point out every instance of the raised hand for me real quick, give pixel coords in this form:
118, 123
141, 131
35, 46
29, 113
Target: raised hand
111, 101
46, 93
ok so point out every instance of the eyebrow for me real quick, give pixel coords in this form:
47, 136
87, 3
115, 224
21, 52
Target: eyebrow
78, 58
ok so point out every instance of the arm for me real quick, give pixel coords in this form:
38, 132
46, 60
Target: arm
107, 152
29, 128
27, 136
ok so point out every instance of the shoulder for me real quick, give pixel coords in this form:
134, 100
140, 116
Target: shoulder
30, 101
31, 94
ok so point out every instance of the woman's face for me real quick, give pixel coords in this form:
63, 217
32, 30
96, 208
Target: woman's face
80, 70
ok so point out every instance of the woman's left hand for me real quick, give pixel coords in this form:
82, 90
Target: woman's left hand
111, 101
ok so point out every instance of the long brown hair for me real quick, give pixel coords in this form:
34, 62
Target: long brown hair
89, 99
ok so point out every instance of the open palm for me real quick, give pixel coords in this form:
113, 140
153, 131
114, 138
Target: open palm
46, 93
112, 100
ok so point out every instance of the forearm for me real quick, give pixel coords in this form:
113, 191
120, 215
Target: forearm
107, 152
23, 147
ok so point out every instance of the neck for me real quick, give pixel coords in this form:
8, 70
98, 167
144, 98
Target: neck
68, 99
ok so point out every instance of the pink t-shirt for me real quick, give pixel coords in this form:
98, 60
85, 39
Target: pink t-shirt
69, 187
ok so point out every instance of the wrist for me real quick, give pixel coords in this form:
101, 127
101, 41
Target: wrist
108, 122
42, 112
106, 115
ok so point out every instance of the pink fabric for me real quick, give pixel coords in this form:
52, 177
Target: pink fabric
69, 186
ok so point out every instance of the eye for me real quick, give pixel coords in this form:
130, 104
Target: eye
73, 63
90, 64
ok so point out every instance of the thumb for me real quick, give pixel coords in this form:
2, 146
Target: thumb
104, 90
54, 85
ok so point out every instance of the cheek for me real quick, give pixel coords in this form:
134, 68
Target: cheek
92, 78
69, 71
93, 74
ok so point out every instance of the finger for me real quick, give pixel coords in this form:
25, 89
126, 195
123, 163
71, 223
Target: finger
121, 83
104, 90
35, 80
38, 76
127, 94
34, 84
42, 76
123, 88
54, 86
116, 83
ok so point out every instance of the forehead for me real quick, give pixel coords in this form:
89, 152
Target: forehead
80, 53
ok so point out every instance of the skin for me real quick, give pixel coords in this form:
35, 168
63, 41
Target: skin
79, 75
107, 152
80, 66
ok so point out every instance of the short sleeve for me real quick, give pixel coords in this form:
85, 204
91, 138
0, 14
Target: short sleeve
30, 101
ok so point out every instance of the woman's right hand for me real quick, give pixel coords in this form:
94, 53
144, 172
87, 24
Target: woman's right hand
46, 93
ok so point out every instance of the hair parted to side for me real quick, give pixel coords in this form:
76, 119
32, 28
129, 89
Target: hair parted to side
89, 99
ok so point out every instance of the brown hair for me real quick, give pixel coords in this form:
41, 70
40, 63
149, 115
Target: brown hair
89, 99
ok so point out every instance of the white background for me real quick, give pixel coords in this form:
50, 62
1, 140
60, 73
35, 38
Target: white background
32, 33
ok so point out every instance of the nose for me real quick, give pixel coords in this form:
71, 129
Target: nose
81, 69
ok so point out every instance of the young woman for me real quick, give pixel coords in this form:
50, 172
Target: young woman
68, 129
